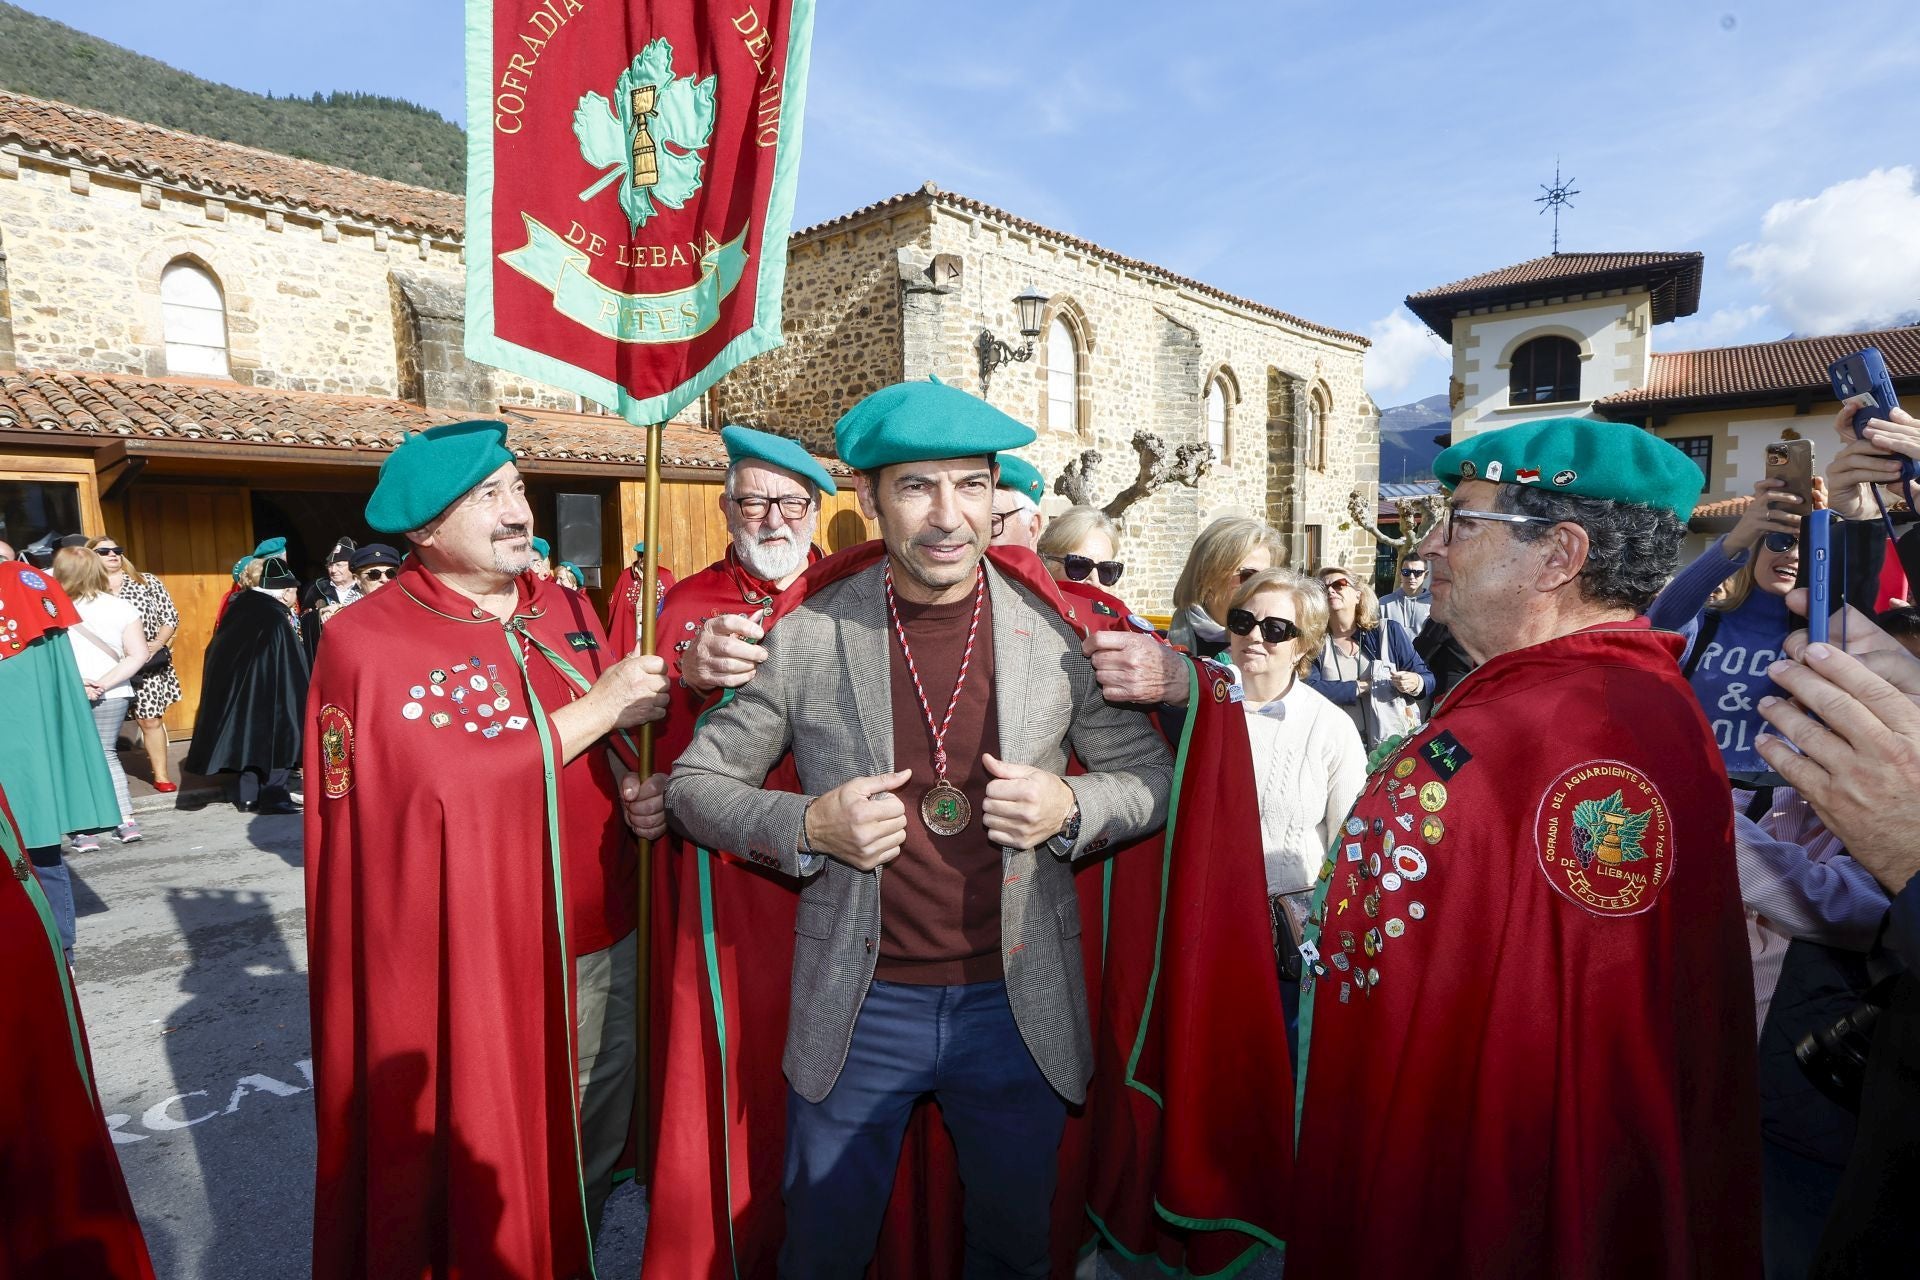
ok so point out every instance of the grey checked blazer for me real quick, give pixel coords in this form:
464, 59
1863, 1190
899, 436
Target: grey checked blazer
824, 692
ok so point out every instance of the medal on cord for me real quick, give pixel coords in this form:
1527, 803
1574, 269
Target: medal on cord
944, 808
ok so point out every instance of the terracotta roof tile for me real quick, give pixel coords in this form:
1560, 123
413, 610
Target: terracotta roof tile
80, 405
931, 193
1725, 507
1673, 279
149, 151
1758, 371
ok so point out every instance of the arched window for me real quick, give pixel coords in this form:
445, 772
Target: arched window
1545, 371
1313, 433
193, 316
1217, 412
1063, 377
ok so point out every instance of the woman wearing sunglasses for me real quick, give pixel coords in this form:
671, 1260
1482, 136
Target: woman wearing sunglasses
1308, 764
1226, 554
1368, 665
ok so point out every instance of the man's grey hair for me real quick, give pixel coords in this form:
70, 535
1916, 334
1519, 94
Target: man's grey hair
1631, 549
813, 490
1022, 504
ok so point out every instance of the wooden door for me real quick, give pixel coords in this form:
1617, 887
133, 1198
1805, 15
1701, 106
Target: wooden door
189, 536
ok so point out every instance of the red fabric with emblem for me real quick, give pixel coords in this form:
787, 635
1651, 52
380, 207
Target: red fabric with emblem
1535, 1087
68, 1214
623, 606
1193, 1155
25, 606
442, 1022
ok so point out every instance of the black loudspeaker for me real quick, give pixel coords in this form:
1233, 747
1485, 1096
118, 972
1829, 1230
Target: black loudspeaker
579, 540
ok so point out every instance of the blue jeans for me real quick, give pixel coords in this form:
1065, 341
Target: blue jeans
960, 1045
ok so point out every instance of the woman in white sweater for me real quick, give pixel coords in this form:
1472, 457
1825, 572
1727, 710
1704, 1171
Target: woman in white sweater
1308, 764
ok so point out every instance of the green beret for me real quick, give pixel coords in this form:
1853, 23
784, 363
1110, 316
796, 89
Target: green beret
744, 443
1021, 476
240, 566
270, 547
542, 548
919, 421
432, 470
639, 548
573, 569
1581, 456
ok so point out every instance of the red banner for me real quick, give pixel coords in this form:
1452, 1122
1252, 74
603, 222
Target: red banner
630, 180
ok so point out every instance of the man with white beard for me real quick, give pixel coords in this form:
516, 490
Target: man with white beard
709, 627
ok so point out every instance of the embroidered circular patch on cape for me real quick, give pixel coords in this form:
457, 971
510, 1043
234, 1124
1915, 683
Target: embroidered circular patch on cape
336, 751
1220, 690
1605, 838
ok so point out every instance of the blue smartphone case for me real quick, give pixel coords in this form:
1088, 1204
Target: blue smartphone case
1818, 550
1865, 372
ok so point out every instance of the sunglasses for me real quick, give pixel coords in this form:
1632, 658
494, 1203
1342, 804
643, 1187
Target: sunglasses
1273, 630
1078, 567
1338, 584
381, 575
108, 551
1413, 573
1778, 542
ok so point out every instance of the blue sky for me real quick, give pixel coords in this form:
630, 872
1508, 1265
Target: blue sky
1327, 158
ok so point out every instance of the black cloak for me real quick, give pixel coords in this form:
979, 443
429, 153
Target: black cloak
253, 691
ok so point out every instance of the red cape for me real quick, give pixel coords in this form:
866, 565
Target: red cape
441, 988
68, 1214
1529, 1045
32, 603
623, 606
716, 1209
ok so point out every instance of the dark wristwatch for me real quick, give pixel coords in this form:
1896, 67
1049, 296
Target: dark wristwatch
1063, 840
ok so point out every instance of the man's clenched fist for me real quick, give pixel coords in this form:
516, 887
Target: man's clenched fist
725, 653
1025, 806
645, 803
862, 822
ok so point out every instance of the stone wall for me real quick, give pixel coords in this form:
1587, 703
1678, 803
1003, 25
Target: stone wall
311, 304
840, 314
907, 291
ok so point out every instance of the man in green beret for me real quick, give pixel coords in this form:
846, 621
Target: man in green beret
627, 603
1530, 1011
1016, 503
928, 702
542, 566
471, 890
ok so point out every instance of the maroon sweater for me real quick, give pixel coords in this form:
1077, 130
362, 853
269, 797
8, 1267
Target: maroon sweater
940, 899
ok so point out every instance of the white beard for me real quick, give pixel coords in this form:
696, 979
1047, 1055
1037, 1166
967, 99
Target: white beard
772, 561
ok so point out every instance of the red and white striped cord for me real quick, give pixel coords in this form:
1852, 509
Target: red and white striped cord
966, 659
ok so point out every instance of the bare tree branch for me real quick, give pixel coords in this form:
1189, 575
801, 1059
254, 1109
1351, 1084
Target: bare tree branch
1075, 484
1417, 515
1188, 463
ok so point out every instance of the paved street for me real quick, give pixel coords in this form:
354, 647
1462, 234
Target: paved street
192, 964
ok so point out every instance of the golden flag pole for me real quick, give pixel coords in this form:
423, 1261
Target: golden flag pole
649, 614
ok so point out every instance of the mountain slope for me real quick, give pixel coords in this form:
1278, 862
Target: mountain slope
386, 137
1407, 431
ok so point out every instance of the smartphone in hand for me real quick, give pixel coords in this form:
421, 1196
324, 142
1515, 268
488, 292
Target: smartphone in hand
1817, 561
1865, 373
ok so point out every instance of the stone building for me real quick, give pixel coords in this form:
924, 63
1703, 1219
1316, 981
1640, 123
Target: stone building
922, 284
1570, 334
204, 344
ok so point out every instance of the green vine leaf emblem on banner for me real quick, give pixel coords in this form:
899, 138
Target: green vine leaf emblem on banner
673, 129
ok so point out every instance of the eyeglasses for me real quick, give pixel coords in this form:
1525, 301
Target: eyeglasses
794, 506
1413, 573
1078, 567
1241, 575
1449, 514
1778, 542
1273, 630
108, 551
380, 574
999, 522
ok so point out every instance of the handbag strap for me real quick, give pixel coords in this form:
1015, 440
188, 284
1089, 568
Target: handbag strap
98, 643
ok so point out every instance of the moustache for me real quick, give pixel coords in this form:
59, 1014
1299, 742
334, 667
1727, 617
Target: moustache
506, 531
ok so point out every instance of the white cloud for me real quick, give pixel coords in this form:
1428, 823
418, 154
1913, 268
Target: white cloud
1404, 352
1849, 258
1726, 327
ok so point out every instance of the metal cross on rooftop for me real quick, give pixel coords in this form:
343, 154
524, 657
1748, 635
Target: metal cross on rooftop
1557, 198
